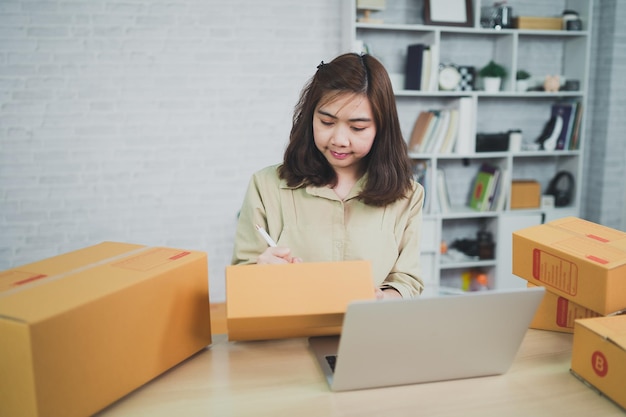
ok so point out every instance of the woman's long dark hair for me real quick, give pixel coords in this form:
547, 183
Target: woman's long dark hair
387, 164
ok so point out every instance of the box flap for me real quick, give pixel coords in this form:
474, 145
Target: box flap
593, 232
595, 245
296, 289
106, 268
612, 328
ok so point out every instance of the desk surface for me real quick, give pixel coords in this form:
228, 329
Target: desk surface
281, 378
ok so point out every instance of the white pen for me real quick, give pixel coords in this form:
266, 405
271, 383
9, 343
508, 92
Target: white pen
267, 237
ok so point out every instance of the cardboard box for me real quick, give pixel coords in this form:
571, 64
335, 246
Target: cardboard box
525, 194
576, 259
599, 356
538, 23
80, 330
559, 314
293, 300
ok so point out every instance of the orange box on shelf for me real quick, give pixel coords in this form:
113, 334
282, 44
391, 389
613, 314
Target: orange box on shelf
538, 23
293, 300
525, 194
599, 356
576, 259
83, 329
559, 314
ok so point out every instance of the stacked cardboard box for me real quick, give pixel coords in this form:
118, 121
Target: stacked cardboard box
559, 314
583, 267
80, 330
578, 260
599, 356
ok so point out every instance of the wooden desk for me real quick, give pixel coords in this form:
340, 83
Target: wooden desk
281, 378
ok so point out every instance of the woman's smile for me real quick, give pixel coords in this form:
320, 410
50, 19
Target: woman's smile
340, 155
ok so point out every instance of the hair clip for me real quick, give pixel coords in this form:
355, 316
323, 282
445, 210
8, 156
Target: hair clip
321, 65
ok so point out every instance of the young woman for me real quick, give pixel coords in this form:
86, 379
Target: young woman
344, 190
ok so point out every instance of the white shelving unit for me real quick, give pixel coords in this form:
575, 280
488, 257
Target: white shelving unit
540, 52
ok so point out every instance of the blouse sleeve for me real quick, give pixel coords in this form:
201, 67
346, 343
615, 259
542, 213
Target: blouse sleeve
248, 242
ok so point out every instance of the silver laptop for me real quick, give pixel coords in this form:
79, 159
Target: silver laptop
433, 338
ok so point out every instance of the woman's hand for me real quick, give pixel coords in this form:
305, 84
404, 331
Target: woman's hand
277, 255
387, 294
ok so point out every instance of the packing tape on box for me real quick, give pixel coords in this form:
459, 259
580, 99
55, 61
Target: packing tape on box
26, 280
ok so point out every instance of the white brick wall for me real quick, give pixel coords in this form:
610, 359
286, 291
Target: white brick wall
141, 121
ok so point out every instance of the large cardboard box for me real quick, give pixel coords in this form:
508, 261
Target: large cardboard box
599, 355
576, 259
559, 314
80, 330
293, 300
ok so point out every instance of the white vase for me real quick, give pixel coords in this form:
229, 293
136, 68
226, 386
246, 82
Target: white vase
521, 85
492, 84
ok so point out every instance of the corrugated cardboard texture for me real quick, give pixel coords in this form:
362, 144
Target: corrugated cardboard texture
525, 194
83, 329
576, 259
599, 355
538, 23
559, 314
293, 300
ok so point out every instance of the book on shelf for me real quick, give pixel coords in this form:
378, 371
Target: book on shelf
562, 130
445, 130
420, 129
452, 131
426, 69
483, 187
563, 110
573, 144
442, 192
466, 139
492, 192
502, 188
420, 175
431, 131
435, 141
414, 66
434, 131
433, 82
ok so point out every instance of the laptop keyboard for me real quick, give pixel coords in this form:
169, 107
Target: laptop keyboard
332, 361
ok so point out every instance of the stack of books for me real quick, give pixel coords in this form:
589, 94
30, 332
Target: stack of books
489, 188
420, 72
443, 131
565, 121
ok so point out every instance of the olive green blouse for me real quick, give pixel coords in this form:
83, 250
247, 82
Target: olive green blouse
319, 227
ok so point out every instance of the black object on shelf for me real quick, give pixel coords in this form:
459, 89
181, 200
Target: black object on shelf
486, 245
492, 142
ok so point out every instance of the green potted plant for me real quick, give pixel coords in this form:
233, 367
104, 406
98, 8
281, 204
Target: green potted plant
521, 78
492, 75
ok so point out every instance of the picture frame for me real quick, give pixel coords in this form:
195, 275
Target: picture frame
448, 12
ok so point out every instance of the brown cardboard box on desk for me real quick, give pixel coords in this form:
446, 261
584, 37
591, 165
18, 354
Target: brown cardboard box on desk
80, 330
599, 355
575, 259
559, 314
293, 300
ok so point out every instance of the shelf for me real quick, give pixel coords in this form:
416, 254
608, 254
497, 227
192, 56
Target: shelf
540, 52
501, 94
468, 30
495, 155
468, 264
